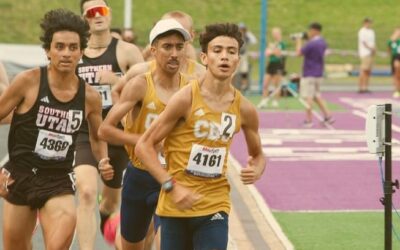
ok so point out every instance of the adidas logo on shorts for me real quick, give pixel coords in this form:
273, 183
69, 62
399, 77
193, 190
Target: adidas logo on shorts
217, 216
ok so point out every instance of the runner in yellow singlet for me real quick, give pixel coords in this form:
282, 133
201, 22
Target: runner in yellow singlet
198, 124
142, 100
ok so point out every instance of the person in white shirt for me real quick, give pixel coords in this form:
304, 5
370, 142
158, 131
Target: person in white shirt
366, 51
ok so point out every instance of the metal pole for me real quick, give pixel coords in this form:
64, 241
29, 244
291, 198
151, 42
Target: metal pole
388, 185
128, 14
263, 42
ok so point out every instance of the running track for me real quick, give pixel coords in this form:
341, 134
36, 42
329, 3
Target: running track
321, 168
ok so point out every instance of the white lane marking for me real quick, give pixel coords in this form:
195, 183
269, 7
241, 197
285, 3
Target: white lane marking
4, 160
265, 210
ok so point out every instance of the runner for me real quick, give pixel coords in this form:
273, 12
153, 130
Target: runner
142, 100
189, 67
104, 61
49, 106
198, 124
275, 68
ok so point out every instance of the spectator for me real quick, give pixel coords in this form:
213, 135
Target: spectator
128, 35
243, 73
313, 69
394, 50
366, 51
275, 68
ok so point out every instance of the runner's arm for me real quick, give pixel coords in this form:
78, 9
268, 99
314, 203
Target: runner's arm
146, 148
14, 94
176, 110
3, 78
132, 94
256, 162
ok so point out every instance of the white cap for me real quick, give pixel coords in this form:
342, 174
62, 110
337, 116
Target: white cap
166, 25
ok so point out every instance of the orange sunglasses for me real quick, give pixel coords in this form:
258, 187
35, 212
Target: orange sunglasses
102, 10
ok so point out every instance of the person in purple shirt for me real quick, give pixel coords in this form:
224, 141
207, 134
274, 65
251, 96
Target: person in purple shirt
313, 70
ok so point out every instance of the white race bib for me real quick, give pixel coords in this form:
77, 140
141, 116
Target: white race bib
105, 93
161, 158
206, 161
52, 145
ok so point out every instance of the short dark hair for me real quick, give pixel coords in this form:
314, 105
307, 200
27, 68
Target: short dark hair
63, 20
367, 20
315, 26
220, 29
84, 1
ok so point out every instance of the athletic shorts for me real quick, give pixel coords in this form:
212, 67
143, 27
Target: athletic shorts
392, 60
139, 200
118, 159
34, 187
366, 63
275, 68
204, 232
310, 87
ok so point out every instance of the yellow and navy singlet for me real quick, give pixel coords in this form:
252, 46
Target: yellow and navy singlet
150, 109
196, 156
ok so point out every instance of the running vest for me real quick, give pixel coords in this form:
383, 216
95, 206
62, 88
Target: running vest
88, 68
196, 156
190, 69
151, 108
44, 137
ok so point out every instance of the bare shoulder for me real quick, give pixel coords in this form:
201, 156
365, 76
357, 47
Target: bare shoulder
137, 69
128, 47
135, 89
27, 79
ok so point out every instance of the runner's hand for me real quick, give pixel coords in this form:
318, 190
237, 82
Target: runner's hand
5, 181
249, 174
106, 170
183, 197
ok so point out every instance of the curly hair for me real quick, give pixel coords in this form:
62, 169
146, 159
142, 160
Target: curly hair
63, 20
219, 29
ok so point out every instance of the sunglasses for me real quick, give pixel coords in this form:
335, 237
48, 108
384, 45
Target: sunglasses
102, 10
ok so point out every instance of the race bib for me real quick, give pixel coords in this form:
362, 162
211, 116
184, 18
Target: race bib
206, 161
105, 93
228, 125
52, 145
161, 158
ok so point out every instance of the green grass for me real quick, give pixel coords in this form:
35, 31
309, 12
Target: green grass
290, 104
336, 231
341, 19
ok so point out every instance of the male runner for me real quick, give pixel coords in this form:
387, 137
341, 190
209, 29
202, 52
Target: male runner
189, 67
198, 124
49, 106
142, 100
104, 61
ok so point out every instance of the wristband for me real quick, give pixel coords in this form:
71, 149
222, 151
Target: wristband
168, 185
